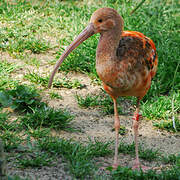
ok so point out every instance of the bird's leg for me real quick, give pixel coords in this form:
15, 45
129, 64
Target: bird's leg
116, 126
137, 164
135, 127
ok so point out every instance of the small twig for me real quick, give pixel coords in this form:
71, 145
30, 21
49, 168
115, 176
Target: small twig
140, 4
173, 118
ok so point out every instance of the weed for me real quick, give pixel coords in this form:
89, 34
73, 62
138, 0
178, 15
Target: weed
5, 70
78, 155
98, 149
34, 45
11, 140
54, 95
126, 173
38, 132
73, 152
3, 119
15, 41
178, 160
6, 67
103, 101
31, 61
122, 130
146, 154
6, 125
9, 132
16, 178
47, 117
36, 78
64, 83
160, 107
168, 125
23, 98
34, 160
88, 101
172, 159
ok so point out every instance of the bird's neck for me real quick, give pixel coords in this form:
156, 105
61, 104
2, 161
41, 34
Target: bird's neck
106, 59
108, 44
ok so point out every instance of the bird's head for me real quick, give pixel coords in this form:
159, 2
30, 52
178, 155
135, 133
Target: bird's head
106, 19
102, 20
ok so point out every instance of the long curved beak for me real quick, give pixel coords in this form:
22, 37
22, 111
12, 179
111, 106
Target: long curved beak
85, 34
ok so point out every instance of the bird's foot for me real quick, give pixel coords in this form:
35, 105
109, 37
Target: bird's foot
115, 165
138, 166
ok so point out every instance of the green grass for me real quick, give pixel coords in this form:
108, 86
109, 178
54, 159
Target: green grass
26, 101
29, 29
126, 173
10, 132
5, 70
34, 160
7, 125
146, 154
6, 67
103, 102
80, 157
22, 98
64, 83
11, 140
168, 125
54, 95
16, 178
48, 118
172, 159
162, 109
39, 132
122, 130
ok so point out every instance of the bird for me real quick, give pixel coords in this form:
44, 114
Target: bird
126, 62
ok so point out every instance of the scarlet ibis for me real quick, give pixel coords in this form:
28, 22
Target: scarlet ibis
126, 62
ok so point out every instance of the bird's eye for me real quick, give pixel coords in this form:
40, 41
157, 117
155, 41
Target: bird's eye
100, 20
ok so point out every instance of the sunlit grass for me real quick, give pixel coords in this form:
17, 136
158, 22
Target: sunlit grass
64, 83
103, 102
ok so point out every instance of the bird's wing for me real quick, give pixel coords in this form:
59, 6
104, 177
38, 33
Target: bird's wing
140, 48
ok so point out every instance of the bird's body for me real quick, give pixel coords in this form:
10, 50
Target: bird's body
130, 71
126, 62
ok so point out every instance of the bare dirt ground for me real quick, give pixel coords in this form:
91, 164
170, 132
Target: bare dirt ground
92, 124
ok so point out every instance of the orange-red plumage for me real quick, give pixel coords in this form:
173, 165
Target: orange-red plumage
132, 68
126, 62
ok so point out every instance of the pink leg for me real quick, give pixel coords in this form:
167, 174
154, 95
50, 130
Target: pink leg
137, 164
135, 127
116, 126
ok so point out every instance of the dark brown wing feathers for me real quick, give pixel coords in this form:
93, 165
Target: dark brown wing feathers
139, 47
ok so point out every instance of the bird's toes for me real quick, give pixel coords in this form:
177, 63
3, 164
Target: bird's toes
115, 165
138, 166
